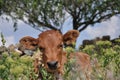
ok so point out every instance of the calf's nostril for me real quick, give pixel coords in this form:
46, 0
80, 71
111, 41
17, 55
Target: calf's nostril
52, 64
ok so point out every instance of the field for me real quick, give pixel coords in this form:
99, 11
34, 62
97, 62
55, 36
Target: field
105, 61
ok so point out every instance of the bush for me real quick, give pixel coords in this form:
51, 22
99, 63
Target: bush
105, 58
13, 67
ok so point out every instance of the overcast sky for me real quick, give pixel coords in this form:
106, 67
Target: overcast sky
110, 27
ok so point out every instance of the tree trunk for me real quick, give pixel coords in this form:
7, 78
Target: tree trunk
75, 24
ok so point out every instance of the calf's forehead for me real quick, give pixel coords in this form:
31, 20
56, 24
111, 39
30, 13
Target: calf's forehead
50, 37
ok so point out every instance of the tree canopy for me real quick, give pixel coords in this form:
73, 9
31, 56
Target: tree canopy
52, 14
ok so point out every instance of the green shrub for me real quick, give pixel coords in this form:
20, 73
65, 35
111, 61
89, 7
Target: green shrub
13, 67
89, 49
46, 75
106, 58
103, 44
117, 40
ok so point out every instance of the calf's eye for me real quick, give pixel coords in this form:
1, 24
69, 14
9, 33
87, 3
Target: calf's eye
60, 46
42, 49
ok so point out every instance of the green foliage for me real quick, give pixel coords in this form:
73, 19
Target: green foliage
103, 44
46, 75
117, 40
53, 13
89, 49
70, 63
3, 39
106, 59
69, 50
13, 67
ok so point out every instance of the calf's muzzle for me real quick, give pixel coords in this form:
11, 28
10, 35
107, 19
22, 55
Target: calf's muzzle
52, 65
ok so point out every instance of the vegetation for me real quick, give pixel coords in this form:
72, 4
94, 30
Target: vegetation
105, 58
3, 39
13, 67
52, 14
105, 61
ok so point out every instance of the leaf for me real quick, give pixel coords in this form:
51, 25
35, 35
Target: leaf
15, 26
3, 39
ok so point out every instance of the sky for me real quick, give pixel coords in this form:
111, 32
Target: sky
110, 27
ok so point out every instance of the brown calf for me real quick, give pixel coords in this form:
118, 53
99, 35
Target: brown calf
51, 43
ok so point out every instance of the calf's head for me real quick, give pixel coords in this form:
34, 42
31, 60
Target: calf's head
50, 44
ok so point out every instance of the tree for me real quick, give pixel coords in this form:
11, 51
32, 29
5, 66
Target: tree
89, 12
51, 14
37, 13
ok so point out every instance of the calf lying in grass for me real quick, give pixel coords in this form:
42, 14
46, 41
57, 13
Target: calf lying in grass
54, 57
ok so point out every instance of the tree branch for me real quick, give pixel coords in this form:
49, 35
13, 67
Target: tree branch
83, 28
42, 24
90, 22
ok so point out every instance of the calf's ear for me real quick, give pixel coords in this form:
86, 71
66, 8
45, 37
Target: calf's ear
28, 42
70, 37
